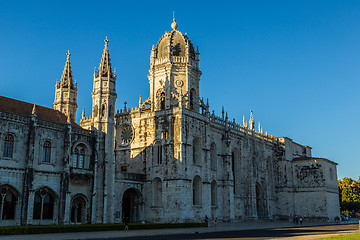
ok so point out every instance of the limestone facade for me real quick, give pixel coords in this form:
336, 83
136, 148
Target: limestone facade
169, 159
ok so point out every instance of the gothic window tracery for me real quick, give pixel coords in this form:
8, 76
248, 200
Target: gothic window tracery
8, 201
43, 204
8, 145
46, 152
79, 156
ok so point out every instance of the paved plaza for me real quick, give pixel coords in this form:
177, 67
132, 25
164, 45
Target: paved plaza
241, 230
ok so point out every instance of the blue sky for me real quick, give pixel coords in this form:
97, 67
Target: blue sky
295, 63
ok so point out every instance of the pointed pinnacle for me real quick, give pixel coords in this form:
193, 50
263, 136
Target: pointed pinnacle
33, 112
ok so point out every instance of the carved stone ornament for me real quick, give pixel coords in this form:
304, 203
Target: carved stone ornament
179, 83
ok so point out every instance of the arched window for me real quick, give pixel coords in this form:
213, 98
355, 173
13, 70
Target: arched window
46, 152
103, 110
213, 156
197, 191
158, 153
196, 151
160, 95
214, 194
157, 192
162, 101
95, 111
79, 156
8, 202
43, 205
8, 146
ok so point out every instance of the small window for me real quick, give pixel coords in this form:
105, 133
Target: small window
103, 111
8, 146
46, 152
213, 194
158, 153
197, 191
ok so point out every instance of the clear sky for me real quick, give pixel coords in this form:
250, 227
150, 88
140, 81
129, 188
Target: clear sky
295, 63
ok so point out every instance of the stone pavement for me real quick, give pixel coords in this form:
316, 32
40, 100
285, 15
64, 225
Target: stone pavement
220, 227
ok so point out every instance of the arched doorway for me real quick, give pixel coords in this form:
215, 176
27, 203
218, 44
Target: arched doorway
78, 210
131, 205
260, 202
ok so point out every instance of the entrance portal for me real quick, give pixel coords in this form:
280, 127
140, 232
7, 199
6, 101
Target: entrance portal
131, 205
78, 210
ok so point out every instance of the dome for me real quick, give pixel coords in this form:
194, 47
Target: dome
174, 43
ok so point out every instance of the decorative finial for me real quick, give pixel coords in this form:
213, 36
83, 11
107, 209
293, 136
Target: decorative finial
259, 128
83, 114
140, 101
251, 122
33, 112
68, 55
174, 25
106, 42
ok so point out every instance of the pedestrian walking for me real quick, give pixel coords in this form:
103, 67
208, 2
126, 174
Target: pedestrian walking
126, 221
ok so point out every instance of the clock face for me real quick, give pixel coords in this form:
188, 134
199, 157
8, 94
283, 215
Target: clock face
126, 134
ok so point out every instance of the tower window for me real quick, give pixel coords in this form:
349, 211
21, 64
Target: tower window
192, 99
103, 111
8, 146
158, 153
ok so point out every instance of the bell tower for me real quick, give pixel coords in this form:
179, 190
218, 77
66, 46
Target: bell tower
66, 92
104, 93
174, 73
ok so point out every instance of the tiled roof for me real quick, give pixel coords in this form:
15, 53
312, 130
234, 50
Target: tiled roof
21, 108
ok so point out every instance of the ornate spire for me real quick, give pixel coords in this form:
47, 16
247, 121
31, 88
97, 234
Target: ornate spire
67, 77
105, 64
83, 114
